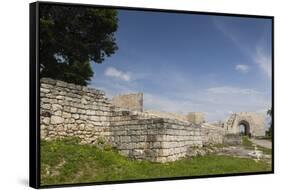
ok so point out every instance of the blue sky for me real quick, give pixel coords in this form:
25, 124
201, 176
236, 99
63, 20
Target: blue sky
184, 62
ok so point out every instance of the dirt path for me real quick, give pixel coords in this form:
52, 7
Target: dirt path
242, 152
262, 142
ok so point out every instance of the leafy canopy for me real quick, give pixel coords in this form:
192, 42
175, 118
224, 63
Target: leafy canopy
73, 37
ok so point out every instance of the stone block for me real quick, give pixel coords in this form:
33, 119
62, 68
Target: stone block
56, 107
56, 119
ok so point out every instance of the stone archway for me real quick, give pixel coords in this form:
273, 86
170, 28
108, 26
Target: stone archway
244, 128
253, 123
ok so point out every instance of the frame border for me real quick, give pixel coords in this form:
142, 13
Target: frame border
34, 93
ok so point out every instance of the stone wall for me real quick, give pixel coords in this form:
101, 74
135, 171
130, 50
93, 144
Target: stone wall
254, 121
196, 117
232, 139
133, 102
72, 110
169, 115
143, 136
69, 110
212, 134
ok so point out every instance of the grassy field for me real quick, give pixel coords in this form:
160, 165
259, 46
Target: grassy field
66, 161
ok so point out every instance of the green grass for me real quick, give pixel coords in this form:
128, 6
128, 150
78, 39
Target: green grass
249, 145
66, 161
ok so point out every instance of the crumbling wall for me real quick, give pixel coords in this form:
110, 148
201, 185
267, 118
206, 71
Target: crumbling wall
255, 122
69, 110
143, 136
133, 102
169, 115
196, 117
212, 134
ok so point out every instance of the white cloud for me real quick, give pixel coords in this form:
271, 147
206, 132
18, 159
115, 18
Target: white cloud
242, 68
121, 75
263, 60
216, 102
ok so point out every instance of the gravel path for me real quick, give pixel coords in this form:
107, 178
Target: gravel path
262, 142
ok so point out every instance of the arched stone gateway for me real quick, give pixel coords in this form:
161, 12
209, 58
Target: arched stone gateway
244, 128
248, 123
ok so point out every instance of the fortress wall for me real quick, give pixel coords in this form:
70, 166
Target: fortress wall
143, 136
133, 102
179, 140
256, 123
69, 110
136, 135
212, 134
169, 115
196, 117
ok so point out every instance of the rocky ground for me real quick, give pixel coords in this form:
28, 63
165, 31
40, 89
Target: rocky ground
241, 151
258, 153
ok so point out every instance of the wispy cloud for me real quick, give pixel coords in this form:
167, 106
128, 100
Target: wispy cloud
242, 68
176, 90
214, 101
225, 30
115, 73
257, 53
263, 60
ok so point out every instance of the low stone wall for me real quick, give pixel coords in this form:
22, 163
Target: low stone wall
69, 110
142, 136
179, 140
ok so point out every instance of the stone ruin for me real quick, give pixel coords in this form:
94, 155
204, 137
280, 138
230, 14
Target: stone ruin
133, 102
254, 123
69, 110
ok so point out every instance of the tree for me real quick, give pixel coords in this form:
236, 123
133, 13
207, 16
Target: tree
269, 132
71, 38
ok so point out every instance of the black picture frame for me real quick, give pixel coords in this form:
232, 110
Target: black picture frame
34, 93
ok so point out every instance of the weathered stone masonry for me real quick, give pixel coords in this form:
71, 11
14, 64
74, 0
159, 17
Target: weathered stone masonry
69, 110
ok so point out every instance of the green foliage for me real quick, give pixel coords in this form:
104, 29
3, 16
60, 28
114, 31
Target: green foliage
247, 143
269, 112
100, 141
72, 37
66, 161
269, 131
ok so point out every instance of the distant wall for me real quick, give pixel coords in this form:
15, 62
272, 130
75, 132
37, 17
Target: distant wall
133, 102
255, 121
196, 117
69, 110
169, 115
